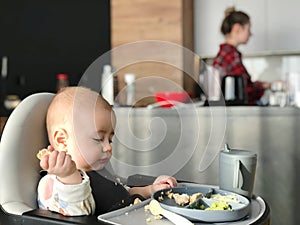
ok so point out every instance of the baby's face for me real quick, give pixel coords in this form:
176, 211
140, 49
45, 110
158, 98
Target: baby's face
91, 145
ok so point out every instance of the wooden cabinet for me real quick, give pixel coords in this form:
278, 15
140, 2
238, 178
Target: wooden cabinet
136, 20
2, 124
147, 39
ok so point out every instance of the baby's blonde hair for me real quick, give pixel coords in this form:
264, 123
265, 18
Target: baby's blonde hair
61, 109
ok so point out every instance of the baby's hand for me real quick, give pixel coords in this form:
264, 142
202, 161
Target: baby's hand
162, 182
61, 164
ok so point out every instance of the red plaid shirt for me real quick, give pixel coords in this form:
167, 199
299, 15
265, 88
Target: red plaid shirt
230, 59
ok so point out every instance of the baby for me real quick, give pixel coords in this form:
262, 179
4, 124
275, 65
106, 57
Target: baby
80, 125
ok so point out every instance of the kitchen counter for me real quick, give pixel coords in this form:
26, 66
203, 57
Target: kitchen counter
262, 54
186, 143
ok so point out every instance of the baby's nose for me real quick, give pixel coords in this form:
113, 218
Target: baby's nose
107, 147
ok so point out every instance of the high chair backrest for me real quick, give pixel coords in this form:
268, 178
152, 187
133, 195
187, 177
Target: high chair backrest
23, 136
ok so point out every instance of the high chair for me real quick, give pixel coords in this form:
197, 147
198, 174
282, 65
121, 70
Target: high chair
23, 136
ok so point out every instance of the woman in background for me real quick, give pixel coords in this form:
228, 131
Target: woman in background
236, 29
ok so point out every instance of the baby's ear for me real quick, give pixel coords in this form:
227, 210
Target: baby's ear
60, 137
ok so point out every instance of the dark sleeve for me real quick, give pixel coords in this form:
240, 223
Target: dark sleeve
108, 194
255, 91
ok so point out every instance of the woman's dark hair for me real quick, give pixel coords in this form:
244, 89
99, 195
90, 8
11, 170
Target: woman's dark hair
232, 17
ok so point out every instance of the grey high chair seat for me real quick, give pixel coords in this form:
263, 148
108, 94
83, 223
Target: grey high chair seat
23, 135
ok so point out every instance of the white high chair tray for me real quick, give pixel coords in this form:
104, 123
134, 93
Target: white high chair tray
136, 214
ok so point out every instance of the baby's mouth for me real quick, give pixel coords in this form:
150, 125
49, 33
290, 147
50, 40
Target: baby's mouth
104, 160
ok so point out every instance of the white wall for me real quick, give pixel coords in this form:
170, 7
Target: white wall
270, 68
283, 30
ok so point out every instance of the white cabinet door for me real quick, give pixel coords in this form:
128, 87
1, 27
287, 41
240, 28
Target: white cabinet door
209, 15
283, 31
256, 9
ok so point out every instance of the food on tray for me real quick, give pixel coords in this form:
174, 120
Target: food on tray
42, 153
136, 201
158, 217
225, 198
195, 196
214, 205
181, 199
146, 208
169, 193
220, 205
160, 198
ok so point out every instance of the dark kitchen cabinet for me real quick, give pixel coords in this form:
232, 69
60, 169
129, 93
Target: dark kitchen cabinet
44, 38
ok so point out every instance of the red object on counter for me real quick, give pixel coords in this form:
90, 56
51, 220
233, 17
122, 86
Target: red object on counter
61, 76
169, 99
62, 81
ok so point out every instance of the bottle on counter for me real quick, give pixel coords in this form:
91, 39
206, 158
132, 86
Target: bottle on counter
8, 101
130, 89
62, 81
107, 84
3, 81
116, 88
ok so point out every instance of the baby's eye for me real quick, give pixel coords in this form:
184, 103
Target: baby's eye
110, 141
98, 139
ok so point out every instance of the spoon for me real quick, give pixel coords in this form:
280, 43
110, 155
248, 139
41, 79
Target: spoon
156, 209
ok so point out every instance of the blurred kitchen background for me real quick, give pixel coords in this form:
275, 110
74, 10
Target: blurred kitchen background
273, 49
41, 39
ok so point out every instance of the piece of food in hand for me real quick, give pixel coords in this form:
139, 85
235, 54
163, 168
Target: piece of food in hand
42, 153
